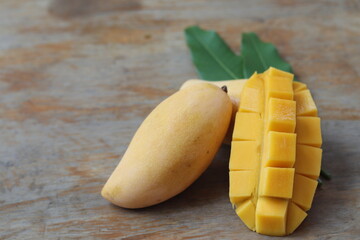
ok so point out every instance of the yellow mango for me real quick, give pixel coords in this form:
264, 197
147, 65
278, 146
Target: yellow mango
276, 140
298, 86
295, 216
234, 88
242, 184
270, 216
308, 131
278, 87
247, 126
274, 72
172, 147
246, 212
305, 105
252, 97
276, 182
251, 100
304, 191
280, 150
308, 161
281, 115
243, 155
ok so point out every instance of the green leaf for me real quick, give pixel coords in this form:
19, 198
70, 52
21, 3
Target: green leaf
259, 56
213, 58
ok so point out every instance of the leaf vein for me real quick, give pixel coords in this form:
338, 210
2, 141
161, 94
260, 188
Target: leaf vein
228, 71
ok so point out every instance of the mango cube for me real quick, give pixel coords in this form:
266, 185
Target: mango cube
308, 161
298, 86
308, 131
295, 216
276, 182
255, 81
252, 100
278, 87
281, 115
246, 212
304, 191
270, 216
305, 105
244, 155
274, 72
242, 184
247, 126
280, 150
252, 95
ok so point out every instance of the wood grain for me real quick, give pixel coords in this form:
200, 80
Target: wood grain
78, 77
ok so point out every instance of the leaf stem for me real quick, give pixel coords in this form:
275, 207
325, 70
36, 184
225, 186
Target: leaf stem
325, 174
320, 182
224, 88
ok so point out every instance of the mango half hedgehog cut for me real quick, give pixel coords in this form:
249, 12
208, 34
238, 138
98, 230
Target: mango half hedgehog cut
275, 153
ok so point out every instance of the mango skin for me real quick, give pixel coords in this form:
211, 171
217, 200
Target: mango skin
172, 147
234, 88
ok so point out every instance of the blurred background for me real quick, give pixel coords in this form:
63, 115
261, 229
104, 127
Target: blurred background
77, 77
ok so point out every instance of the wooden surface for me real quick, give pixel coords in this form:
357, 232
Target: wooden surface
77, 77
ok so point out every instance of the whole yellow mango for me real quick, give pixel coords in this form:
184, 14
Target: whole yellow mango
172, 147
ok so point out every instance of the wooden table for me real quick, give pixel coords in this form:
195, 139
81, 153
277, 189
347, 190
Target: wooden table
77, 77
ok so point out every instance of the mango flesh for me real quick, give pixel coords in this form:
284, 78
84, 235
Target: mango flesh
172, 147
276, 143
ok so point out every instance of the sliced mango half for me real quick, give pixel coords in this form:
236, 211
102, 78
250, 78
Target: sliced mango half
275, 156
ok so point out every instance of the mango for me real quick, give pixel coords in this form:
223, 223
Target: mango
304, 190
281, 115
305, 105
309, 131
246, 212
270, 216
275, 154
172, 147
295, 216
245, 131
244, 178
279, 150
234, 88
252, 98
298, 86
308, 161
276, 182
243, 155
